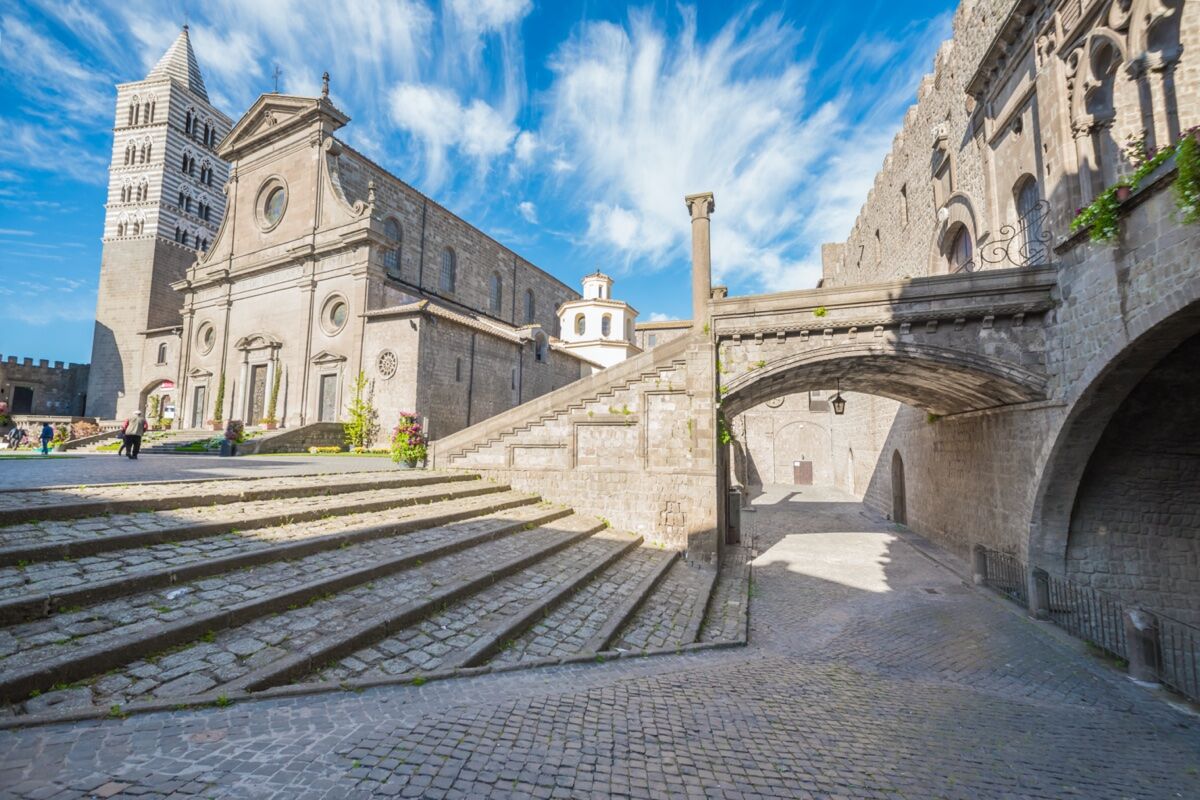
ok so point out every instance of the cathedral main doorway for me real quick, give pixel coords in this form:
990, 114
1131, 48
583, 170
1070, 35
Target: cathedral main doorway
258, 393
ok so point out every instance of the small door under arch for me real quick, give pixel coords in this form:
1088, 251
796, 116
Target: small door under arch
899, 504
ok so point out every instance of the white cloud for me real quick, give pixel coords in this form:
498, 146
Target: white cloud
646, 118
437, 118
15, 232
529, 211
525, 147
658, 316
478, 16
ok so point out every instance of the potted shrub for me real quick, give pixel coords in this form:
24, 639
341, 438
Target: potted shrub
235, 433
408, 441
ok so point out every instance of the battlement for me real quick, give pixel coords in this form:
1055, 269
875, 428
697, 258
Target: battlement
58, 388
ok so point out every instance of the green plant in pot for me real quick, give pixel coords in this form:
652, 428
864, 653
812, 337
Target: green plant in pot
408, 441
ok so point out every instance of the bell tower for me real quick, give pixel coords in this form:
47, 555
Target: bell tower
165, 202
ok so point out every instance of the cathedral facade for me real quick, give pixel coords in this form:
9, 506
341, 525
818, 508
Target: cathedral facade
324, 268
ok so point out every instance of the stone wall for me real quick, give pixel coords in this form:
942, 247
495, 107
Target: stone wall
652, 334
634, 444
1136, 527
57, 389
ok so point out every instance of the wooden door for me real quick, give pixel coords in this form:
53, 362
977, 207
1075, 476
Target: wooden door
199, 397
258, 393
802, 473
899, 501
22, 400
327, 410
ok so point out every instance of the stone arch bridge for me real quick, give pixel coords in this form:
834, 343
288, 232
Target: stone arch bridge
1066, 430
639, 444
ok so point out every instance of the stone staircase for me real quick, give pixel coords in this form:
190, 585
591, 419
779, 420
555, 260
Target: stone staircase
115, 598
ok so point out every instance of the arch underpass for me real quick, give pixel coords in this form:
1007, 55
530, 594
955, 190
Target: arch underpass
939, 380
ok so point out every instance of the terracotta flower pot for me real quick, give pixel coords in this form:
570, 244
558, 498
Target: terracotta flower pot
1124, 193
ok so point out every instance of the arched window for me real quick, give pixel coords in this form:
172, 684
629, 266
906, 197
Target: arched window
580, 325
177, 233
530, 305
185, 239
606, 325
132, 112
120, 229
539, 348
495, 293
146, 111
391, 252
961, 251
153, 103
162, 354
187, 121
1029, 222
448, 270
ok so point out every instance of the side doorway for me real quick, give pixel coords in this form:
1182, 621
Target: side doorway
899, 500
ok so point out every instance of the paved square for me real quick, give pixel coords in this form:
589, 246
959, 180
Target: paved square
872, 672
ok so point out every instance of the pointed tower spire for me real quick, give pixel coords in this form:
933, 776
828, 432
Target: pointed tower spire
179, 62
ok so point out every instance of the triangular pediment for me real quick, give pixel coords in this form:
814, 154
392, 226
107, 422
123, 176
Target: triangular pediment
275, 115
326, 357
257, 341
198, 372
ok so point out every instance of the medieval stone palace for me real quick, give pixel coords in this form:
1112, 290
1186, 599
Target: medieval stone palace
253, 271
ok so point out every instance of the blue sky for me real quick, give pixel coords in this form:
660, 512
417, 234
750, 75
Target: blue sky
570, 131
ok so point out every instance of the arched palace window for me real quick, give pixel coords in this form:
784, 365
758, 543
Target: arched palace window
961, 251
495, 293
448, 270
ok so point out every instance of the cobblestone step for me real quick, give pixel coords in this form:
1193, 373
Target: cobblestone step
73, 539
563, 534
729, 608
591, 616
74, 502
674, 611
71, 646
270, 650
468, 633
39, 590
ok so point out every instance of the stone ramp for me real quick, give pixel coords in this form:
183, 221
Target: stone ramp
414, 575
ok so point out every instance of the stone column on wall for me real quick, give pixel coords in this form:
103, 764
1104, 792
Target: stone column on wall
700, 206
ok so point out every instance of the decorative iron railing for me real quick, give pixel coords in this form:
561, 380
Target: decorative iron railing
1025, 244
1157, 647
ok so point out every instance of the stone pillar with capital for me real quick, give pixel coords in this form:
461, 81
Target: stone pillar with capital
700, 206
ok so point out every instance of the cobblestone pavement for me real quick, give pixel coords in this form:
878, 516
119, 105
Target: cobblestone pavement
567, 629
682, 594
440, 640
109, 468
872, 672
233, 514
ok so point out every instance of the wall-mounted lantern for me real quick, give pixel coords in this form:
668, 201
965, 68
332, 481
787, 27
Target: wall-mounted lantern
838, 402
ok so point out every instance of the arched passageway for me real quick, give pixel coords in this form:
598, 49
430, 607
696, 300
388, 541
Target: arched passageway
1135, 527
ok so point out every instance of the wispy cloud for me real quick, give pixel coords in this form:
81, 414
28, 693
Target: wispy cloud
528, 211
648, 118
15, 232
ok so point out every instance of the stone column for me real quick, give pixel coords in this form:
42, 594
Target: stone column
700, 206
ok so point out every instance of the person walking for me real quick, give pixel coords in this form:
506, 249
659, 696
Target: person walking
47, 435
133, 434
124, 448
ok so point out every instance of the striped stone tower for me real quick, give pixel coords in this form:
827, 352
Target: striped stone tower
165, 203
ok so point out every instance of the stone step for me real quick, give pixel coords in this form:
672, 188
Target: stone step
562, 535
469, 632
586, 621
39, 590
70, 646
728, 613
73, 502
274, 649
76, 538
673, 613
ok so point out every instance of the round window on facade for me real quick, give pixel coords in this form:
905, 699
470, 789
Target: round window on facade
386, 364
206, 337
333, 318
272, 203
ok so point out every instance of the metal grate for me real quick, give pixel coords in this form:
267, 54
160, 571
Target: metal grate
1088, 614
1007, 573
1179, 645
